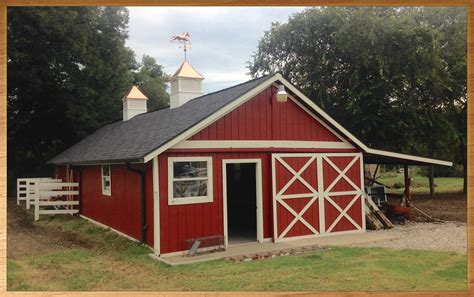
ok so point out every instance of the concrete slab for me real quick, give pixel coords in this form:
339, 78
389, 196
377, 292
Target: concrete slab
244, 249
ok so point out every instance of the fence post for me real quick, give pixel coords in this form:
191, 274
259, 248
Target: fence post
28, 186
18, 191
37, 199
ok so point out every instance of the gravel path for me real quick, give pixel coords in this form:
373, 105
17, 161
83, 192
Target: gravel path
448, 236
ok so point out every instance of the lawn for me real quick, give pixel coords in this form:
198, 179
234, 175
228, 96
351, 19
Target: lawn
86, 257
420, 184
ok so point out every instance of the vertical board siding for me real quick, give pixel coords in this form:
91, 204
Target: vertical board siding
121, 210
182, 222
262, 118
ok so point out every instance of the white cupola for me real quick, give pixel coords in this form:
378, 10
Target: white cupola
185, 85
134, 104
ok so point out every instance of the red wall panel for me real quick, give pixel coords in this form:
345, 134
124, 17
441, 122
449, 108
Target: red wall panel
121, 210
181, 222
262, 118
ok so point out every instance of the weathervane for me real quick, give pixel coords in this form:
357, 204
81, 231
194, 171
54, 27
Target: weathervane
182, 39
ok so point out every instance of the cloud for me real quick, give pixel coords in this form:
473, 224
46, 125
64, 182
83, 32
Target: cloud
223, 38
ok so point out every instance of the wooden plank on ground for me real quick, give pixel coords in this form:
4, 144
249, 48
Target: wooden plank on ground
58, 211
378, 213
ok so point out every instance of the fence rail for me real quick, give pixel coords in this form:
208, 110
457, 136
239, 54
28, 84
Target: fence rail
45, 194
22, 187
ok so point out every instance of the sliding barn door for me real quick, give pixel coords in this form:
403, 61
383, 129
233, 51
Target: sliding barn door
317, 194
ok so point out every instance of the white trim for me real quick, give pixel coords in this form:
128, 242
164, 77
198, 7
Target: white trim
357, 193
322, 193
320, 180
259, 195
362, 183
106, 192
227, 144
349, 135
213, 117
309, 236
341, 174
343, 212
278, 197
156, 208
274, 213
297, 102
190, 200
259, 88
408, 157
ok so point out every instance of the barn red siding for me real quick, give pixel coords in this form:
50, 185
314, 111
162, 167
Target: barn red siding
121, 210
181, 222
262, 118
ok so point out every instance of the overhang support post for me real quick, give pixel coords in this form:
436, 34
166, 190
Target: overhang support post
407, 183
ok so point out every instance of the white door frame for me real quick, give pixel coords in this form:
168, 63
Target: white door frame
258, 186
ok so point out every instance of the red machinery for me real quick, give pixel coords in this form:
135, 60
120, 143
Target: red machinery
402, 211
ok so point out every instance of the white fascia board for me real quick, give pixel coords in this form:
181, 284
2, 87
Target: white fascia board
228, 144
321, 112
349, 135
212, 118
409, 157
250, 94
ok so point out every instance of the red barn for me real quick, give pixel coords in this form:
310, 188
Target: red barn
255, 162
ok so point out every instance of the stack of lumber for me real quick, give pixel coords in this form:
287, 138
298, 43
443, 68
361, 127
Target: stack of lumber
374, 217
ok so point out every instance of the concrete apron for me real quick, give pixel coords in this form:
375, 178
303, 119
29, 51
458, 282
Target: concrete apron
253, 248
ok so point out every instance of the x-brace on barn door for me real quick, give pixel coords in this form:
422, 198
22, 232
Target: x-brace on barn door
317, 194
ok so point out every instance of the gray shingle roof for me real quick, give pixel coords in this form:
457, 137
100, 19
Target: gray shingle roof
133, 139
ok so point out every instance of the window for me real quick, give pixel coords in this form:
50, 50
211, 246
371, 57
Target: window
189, 180
106, 180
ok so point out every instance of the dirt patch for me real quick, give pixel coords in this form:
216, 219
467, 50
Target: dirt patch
446, 207
26, 238
448, 236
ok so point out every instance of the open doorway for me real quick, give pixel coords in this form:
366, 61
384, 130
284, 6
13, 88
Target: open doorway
241, 193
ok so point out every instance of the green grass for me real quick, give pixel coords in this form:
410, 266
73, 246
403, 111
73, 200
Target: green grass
114, 263
420, 184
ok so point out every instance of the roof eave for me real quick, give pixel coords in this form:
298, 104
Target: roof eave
98, 162
407, 159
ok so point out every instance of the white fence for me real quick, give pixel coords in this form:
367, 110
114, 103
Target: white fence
46, 193
25, 188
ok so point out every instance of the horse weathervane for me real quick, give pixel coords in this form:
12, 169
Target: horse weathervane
184, 40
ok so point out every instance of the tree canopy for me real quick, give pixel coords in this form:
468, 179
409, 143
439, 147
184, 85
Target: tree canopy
395, 77
68, 68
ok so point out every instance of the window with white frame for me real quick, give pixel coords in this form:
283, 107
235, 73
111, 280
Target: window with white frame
106, 180
189, 180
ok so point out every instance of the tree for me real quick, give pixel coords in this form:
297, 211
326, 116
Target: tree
68, 68
393, 76
151, 79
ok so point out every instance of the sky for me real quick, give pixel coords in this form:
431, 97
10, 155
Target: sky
223, 38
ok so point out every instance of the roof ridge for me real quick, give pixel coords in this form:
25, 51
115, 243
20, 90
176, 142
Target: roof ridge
96, 147
231, 87
208, 94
